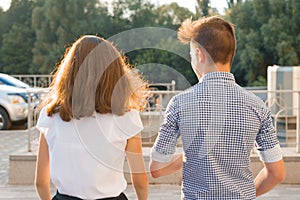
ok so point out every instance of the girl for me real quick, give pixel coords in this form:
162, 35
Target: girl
89, 121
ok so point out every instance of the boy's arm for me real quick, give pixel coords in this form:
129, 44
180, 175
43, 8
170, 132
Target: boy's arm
163, 162
158, 169
270, 154
271, 175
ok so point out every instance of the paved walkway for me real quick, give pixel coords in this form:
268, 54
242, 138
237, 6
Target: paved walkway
10, 142
156, 192
13, 141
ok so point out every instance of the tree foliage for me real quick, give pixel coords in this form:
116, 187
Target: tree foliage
17, 38
202, 8
231, 3
35, 33
267, 34
58, 23
19, 58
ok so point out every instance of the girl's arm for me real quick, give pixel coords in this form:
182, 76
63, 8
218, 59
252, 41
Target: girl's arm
42, 176
137, 167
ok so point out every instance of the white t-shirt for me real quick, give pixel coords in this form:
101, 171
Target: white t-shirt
87, 155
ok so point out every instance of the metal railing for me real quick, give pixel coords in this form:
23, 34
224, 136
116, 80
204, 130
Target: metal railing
44, 81
33, 114
285, 113
153, 116
41, 81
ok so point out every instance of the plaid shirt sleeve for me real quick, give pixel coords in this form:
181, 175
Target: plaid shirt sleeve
165, 144
266, 141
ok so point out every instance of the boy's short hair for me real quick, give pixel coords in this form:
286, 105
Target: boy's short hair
214, 34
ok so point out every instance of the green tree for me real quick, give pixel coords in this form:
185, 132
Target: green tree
159, 66
18, 13
167, 64
231, 3
35, 33
267, 34
16, 49
2, 22
58, 23
202, 8
171, 15
17, 38
156, 64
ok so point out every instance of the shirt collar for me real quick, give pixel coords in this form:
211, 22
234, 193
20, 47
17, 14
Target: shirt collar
227, 76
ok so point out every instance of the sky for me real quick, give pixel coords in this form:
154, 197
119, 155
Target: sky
4, 4
219, 4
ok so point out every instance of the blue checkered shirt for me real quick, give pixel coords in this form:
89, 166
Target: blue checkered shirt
219, 122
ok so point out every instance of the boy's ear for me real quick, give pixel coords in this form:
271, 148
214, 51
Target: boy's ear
201, 54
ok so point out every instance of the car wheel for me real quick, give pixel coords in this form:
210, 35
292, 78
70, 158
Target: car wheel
5, 122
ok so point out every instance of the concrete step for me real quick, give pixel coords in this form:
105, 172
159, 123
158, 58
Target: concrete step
22, 168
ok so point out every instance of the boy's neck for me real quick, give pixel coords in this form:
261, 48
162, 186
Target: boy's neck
218, 67
223, 67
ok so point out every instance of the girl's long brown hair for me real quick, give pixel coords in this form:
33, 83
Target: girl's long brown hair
94, 76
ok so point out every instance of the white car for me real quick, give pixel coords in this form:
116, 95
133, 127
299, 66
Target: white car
14, 101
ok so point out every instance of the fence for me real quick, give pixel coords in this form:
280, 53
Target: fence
288, 126
286, 115
33, 113
44, 81
41, 81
